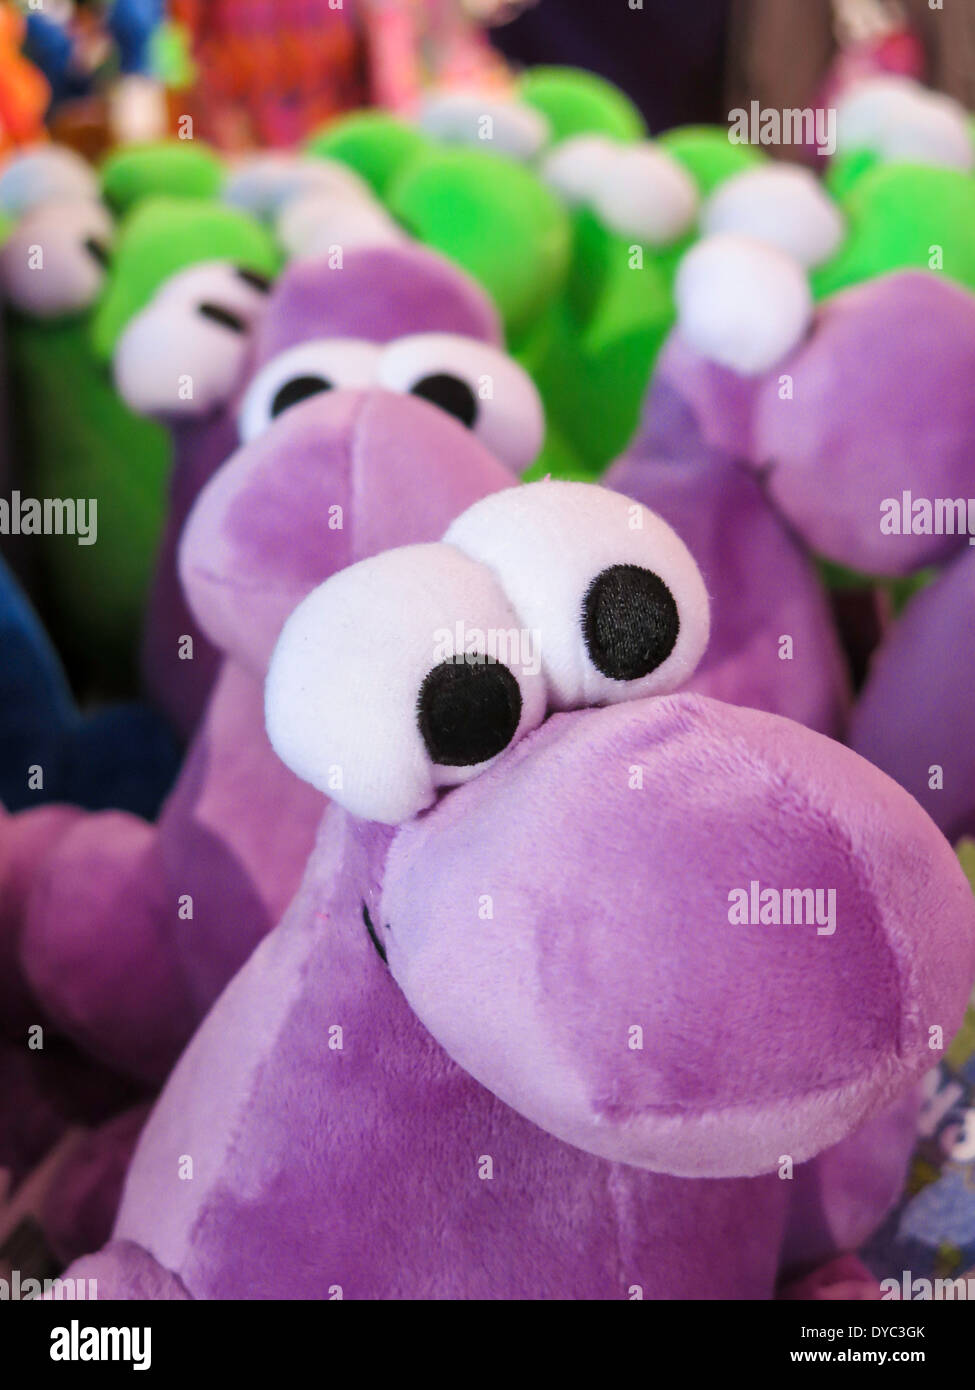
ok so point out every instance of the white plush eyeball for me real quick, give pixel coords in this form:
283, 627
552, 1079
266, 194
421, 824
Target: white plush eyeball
312, 223
184, 353
741, 303
54, 261
479, 385
646, 194
322, 364
486, 120
45, 174
401, 674
574, 167
607, 590
901, 120
783, 205
263, 184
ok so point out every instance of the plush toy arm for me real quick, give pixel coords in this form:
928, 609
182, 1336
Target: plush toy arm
94, 951
125, 1271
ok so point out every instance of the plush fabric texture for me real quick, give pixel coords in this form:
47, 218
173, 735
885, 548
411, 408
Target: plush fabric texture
476, 208
335, 478
169, 168
576, 102
850, 438
741, 302
336, 1147
123, 755
785, 205
895, 214
376, 145
162, 235
86, 444
762, 586
898, 119
709, 156
915, 714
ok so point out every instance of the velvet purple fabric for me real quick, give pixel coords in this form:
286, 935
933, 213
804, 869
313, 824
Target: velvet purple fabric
915, 717
324, 1134
773, 642
128, 931
872, 404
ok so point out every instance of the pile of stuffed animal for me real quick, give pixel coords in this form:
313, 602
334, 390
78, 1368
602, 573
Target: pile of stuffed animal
487, 632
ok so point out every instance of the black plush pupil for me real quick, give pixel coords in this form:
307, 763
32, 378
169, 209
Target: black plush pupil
298, 389
450, 394
468, 711
97, 250
255, 279
630, 622
226, 318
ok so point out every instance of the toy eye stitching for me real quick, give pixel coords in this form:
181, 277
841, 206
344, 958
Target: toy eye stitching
226, 318
261, 283
630, 622
97, 250
450, 393
299, 388
468, 711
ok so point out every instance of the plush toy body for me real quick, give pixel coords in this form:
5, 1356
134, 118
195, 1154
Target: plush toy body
468, 982
174, 909
87, 445
915, 717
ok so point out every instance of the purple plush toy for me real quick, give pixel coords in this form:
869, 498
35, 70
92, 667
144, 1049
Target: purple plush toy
916, 714
773, 643
535, 1025
131, 930
832, 406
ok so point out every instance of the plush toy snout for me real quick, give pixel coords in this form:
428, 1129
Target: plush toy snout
301, 501
682, 935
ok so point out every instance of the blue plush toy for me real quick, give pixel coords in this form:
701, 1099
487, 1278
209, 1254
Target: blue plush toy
119, 756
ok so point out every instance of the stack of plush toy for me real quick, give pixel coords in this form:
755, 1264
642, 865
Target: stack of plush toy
487, 626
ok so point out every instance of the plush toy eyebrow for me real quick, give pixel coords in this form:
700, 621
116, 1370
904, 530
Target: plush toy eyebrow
223, 316
257, 281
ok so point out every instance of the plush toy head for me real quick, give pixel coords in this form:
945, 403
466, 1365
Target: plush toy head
53, 261
860, 429
164, 235
166, 168
765, 378
901, 216
365, 378
895, 119
636, 852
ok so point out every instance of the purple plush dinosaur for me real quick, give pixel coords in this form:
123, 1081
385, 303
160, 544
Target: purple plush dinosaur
832, 407
535, 1025
916, 716
130, 930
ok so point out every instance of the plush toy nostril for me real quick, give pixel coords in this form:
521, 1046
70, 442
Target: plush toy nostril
630, 622
468, 712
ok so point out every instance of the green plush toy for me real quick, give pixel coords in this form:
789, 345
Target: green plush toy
554, 200
172, 168
904, 216
709, 156
73, 436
